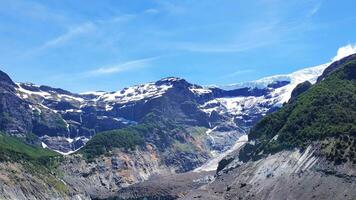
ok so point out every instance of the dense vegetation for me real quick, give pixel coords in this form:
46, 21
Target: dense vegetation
168, 136
153, 129
35, 160
14, 149
103, 142
325, 112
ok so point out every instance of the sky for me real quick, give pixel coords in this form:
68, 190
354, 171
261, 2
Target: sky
107, 45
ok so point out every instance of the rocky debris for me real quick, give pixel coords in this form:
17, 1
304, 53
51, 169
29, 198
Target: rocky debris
107, 174
285, 175
19, 182
169, 186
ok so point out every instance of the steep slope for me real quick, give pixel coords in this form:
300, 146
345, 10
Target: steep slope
29, 172
326, 111
15, 114
306, 150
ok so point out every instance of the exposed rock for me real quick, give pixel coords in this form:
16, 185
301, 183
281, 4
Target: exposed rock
301, 88
285, 175
19, 182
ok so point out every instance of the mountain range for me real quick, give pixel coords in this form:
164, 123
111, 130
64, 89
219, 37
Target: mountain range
122, 144
65, 121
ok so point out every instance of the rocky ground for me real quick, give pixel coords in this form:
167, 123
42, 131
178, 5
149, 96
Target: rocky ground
20, 182
170, 186
285, 175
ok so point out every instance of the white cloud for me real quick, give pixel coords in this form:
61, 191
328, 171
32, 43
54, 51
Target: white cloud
81, 29
70, 34
314, 10
121, 67
344, 51
62, 39
239, 72
151, 11
172, 8
116, 19
252, 36
220, 48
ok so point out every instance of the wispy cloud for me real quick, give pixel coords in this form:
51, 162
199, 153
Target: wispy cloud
62, 39
220, 48
30, 10
70, 34
122, 67
106, 70
172, 8
115, 19
314, 10
344, 51
76, 31
239, 72
254, 35
151, 11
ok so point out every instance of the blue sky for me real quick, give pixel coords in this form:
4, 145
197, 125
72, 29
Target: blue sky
108, 45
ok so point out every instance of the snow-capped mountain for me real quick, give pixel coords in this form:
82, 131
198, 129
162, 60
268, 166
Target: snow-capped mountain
65, 121
174, 126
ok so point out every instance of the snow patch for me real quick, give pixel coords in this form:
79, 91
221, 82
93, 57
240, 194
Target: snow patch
212, 164
27, 93
44, 145
135, 93
199, 90
238, 106
96, 93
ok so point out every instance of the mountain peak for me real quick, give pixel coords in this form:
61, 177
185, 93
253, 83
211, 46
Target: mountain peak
171, 79
5, 78
335, 65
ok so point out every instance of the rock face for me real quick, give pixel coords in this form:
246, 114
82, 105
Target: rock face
20, 183
105, 176
285, 175
14, 112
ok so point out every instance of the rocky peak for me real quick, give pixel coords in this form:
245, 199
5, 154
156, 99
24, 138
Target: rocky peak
5, 79
335, 66
174, 81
